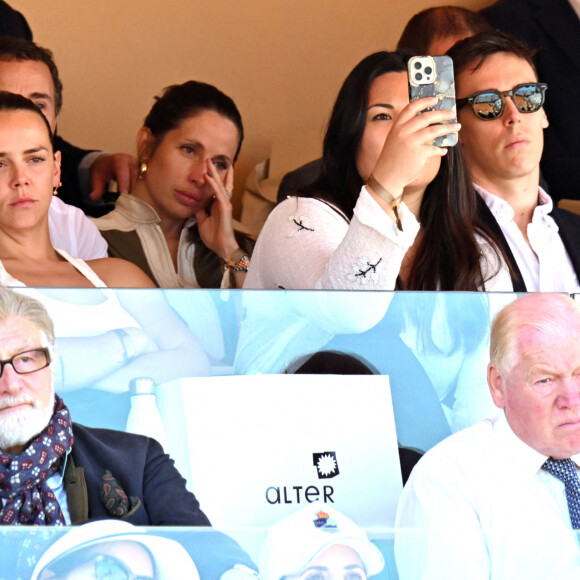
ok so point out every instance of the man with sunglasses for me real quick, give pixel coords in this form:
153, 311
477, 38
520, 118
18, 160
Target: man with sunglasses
55, 472
500, 108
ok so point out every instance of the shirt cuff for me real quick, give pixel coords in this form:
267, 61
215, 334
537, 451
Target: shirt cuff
371, 214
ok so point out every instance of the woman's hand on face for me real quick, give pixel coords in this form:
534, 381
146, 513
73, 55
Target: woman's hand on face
215, 225
409, 144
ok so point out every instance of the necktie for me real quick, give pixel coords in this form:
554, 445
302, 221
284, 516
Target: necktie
565, 471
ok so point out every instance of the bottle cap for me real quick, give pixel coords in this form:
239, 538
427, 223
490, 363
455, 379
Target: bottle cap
142, 386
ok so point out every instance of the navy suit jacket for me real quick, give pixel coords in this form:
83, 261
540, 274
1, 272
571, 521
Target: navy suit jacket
141, 468
569, 230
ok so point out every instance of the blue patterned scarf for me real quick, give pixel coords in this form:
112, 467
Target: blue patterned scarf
23, 478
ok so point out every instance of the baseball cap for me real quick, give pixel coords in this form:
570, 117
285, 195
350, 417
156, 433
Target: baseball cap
293, 542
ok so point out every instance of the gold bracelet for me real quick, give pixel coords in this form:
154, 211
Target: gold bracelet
395, 202
239, 262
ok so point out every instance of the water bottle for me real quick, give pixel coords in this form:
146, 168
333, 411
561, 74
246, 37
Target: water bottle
144, 417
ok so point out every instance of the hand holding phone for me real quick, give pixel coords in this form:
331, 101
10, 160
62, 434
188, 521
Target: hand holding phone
432, 76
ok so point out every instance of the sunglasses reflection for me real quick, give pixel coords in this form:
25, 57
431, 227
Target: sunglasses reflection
124, 560
490, 104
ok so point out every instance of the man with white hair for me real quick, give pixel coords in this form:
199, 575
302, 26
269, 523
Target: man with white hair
501, 499
56, 472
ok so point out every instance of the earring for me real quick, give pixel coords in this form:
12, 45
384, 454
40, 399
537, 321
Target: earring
142, 169
55, 190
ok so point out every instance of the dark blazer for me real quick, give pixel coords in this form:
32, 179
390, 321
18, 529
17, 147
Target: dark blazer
70, 189
569, 230
141, 468
553, 28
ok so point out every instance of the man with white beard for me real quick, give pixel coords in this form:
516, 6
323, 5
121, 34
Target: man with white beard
56, 472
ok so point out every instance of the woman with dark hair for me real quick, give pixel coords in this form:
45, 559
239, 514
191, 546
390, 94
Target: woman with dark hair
29, 177
390, 209
177, 222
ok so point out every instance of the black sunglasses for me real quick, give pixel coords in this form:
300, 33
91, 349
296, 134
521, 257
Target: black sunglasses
490, 104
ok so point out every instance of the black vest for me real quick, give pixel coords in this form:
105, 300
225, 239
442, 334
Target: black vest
569, 230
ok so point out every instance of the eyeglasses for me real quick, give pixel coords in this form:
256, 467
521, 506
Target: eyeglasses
28, 361
490, 104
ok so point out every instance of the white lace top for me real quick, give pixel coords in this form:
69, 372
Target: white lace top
306, 244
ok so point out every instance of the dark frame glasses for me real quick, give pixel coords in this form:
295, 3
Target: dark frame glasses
28, 361
490, 104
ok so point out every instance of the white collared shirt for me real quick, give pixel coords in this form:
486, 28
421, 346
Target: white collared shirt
545, 266
479, 506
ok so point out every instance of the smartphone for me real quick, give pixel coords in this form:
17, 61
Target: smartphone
432, 76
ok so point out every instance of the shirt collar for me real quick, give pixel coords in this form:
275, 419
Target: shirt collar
524, 460
138, 210
503, 211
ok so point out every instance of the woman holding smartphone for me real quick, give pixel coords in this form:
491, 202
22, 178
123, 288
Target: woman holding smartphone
389, 209
177, 222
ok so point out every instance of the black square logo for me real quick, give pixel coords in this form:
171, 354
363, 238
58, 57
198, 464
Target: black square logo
326, 464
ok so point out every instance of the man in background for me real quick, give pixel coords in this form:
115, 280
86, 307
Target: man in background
30, 70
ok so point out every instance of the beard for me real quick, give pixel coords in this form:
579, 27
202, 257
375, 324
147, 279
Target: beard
20, 427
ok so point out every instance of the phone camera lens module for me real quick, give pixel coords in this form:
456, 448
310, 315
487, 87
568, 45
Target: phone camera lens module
417, 65
418, 76
428, 70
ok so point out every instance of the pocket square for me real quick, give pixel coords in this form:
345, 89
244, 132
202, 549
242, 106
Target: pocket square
114, 497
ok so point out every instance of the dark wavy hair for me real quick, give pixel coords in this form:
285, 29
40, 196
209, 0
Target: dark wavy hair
339, 181
448, 255
472, 52
179, 102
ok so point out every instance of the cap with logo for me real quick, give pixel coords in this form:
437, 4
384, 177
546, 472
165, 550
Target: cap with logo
295, 541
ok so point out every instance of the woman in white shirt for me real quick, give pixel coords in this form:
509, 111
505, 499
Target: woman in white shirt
412, 226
